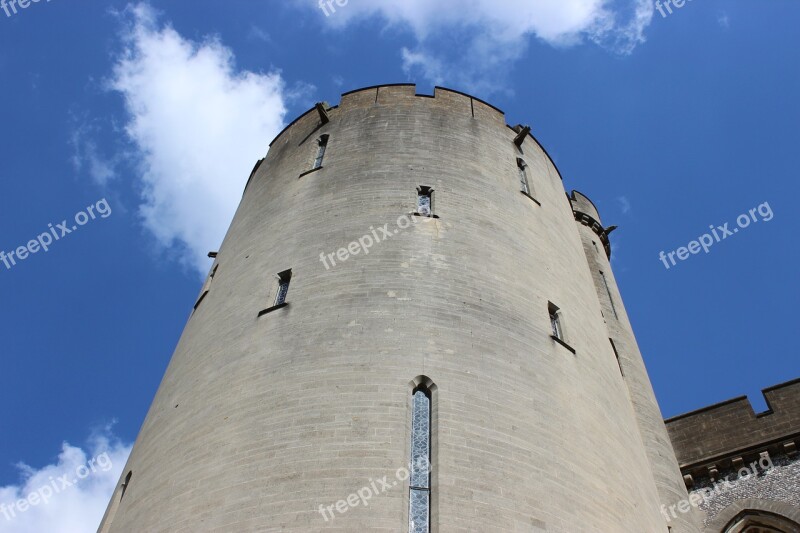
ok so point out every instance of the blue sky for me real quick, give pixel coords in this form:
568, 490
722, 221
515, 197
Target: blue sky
154, 114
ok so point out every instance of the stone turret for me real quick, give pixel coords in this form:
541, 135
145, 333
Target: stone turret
405, 279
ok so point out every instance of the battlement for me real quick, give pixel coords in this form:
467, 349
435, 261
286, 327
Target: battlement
587, 214
406, 94
730, 428
582, 204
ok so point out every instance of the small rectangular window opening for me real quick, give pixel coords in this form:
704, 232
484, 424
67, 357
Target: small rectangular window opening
555, 322
425, 201
323, 145
523, 176
206, 286
557, 327
283, 287
125, 484
524, 180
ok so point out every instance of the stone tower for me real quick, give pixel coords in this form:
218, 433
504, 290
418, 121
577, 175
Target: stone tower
405, 278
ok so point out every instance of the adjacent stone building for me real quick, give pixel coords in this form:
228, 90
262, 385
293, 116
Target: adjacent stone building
410, 326
742, 469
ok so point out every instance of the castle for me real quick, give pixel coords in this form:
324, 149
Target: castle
411, 327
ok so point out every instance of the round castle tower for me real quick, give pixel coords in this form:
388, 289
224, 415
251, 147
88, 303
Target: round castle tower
405, 278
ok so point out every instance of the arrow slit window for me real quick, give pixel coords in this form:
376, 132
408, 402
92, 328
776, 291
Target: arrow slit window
419, 516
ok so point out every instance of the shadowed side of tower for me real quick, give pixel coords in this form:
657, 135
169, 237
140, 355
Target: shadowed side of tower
305, 362
624, 348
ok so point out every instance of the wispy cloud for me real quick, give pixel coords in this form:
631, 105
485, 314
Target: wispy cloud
624, 205
86, 156
431, 67
723, 20
257, 33
197, 124
92, 474
472, 42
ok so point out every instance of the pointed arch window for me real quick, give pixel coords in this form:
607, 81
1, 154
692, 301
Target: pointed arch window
419, 515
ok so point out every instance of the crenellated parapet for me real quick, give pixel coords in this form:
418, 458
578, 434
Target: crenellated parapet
723, 437
398, 95
587, 214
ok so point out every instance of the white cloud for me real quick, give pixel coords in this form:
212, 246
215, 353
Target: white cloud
558, 22
431, 67
485, 36
86, 156
99, 169
624, 204
259, 34
77, 508
198, 125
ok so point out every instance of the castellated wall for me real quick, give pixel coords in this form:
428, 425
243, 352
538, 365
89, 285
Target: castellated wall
262, 418
735, 460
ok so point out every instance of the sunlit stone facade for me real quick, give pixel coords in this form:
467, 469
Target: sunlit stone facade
395, 251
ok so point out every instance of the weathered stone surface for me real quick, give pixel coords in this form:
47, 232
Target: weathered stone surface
260, 420
737, 460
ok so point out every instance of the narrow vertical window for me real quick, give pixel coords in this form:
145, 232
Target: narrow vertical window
323, 145
280, 292
608, 291
555, 322
419, 516
524, 180
116, 500
425, 202
616, 354
125, 485
283, 287
206, 286
523, 176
